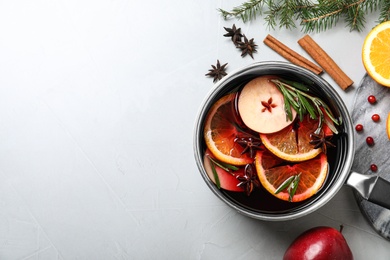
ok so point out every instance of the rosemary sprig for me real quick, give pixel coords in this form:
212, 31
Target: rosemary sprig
216, 177
225, 166
291, 183
296, 97
292, 188
285, 184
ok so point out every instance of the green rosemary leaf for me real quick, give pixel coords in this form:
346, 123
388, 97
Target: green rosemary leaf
301, 115
285, 184
224, 166
339, 120
287, 108
303, 110
229, 166
295, 84
309, 108
330, 115
216, 177
288, 92
289, 101
296, 98
293, 186
292, 96
331, 126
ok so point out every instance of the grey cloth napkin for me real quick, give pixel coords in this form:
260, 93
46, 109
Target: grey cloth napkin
379, 153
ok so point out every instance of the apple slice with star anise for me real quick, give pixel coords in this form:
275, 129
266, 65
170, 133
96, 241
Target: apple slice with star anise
261, 106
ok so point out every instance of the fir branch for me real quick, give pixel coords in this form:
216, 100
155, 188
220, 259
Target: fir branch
246, 11
321, 17
287, 13
312, 15
371, 5
355, 17
384, 14
272, 14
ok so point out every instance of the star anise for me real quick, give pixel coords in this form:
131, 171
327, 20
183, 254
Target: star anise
247, 47
218, 71
250, 144
234, 33
249, 180
321, 141
268, 105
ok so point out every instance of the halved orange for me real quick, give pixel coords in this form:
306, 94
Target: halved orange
272, 172
388, 126
376, 53
220, 131
293, 142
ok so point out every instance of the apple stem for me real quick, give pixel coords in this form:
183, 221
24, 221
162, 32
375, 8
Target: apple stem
341, 228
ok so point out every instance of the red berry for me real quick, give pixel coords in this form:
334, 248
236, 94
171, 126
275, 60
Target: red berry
370, 141
371, 99
375, 117
373, 167
359, 127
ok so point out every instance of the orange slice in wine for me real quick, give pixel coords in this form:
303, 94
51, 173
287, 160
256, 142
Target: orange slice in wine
273, 172
293, 142
221, 130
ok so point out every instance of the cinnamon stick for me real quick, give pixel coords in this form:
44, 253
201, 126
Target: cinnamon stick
325, 61
291, 55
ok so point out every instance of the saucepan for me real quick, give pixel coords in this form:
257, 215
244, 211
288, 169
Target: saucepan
265, 206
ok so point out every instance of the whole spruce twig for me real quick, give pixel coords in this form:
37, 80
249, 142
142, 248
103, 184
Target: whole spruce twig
311, 15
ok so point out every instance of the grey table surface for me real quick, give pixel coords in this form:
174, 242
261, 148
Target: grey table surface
97, 107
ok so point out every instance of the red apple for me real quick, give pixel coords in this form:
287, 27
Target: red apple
319, 243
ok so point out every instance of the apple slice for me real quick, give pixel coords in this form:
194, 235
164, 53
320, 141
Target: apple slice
226, 180
261, 106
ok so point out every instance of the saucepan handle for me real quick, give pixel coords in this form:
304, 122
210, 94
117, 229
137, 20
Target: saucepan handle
373, 188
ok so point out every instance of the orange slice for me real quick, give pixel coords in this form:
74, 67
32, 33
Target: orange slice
388, 126
376, 53
220, 132
292, 143
273, 172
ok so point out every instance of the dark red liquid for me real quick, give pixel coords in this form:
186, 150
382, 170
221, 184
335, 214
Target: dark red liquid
260, 200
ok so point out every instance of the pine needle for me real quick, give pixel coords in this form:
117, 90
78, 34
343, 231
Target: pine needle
312, 16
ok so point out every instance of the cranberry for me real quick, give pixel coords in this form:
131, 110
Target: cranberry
370, 141
375, 117
371, 99
373, 167
359, 127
